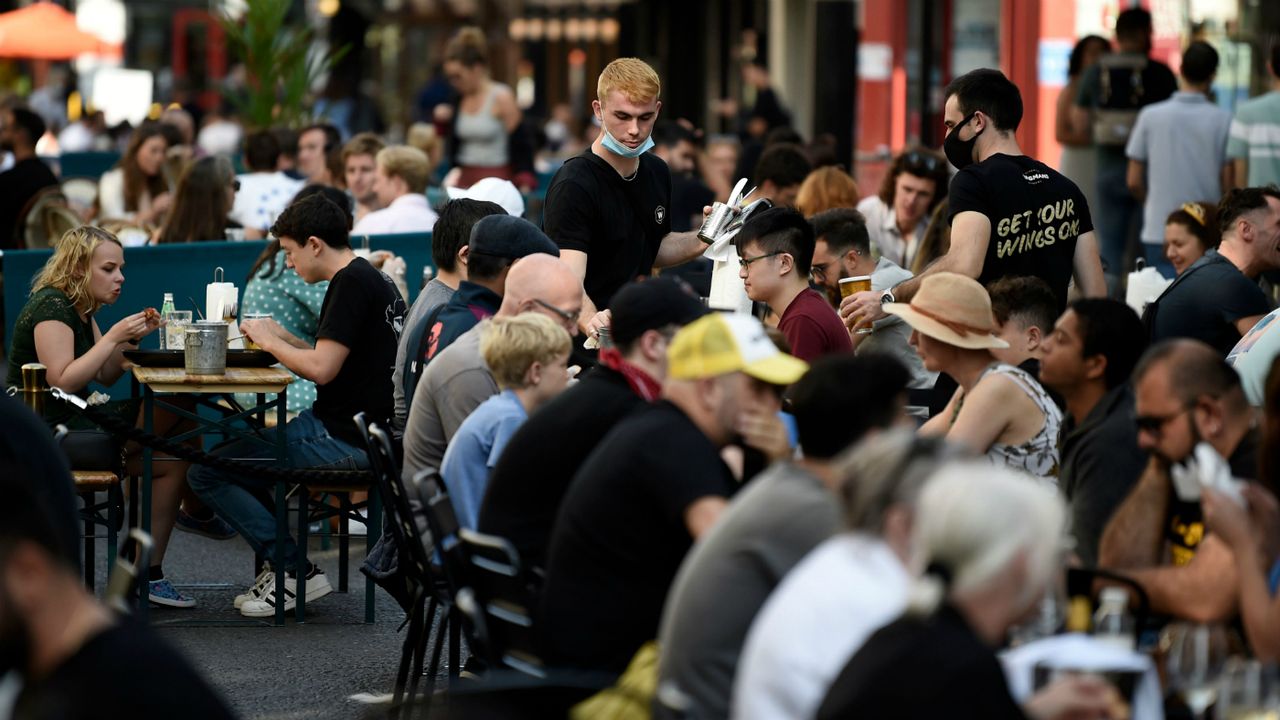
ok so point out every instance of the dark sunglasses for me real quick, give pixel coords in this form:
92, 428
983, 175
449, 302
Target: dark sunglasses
1155, 424
235, 185
915, 162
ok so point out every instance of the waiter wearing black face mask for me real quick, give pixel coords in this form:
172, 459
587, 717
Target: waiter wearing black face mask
1010, 214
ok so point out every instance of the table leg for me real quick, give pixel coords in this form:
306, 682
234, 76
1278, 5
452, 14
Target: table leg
144, 502
282, 508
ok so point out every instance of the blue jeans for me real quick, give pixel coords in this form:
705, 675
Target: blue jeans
236, 498
1156, 259
1116, 221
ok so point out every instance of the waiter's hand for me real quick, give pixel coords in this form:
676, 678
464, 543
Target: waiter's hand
591, 327
859, 310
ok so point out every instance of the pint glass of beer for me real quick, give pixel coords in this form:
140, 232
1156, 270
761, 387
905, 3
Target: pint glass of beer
851, 285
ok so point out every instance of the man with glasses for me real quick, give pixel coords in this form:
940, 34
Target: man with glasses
842, 248
496, 242
775, 250
533, 474
1186, 394
457, 380
898, 215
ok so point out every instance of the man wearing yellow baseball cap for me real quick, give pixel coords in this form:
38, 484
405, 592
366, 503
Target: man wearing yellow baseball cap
653, 486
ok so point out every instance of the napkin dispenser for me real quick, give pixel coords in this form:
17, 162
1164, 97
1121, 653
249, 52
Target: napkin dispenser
221, 302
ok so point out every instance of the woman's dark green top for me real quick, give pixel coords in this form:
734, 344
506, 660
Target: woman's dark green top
45, 305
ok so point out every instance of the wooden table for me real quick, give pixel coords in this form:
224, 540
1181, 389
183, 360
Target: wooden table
206, 389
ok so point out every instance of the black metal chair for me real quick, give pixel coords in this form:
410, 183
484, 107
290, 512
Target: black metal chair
498, 602
122, 585
443, 523
429, 595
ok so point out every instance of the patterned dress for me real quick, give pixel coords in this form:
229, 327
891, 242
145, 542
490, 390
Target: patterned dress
296, 306
1038, 456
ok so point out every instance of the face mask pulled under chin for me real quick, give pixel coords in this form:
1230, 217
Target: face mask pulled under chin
612, 145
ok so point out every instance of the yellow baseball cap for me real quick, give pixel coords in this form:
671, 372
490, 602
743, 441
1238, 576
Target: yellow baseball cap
720, 343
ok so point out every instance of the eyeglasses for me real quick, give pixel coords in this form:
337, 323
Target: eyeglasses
819, 270
1155, 424
746, 262
920, 161
565, 315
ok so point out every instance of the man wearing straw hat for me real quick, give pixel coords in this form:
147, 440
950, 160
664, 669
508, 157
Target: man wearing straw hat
998, 409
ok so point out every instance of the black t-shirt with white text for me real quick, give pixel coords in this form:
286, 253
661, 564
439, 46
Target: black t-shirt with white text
621, 535
618, 222
363, 311
1036, 216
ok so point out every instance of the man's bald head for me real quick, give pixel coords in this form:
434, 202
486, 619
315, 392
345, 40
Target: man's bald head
1194, 370
543, 283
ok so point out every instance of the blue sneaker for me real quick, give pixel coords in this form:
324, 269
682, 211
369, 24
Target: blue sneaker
162, 592
215, 527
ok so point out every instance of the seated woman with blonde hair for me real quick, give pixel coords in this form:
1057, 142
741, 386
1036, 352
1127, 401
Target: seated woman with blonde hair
57, 329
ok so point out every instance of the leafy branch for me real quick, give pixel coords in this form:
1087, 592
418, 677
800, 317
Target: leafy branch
280, 67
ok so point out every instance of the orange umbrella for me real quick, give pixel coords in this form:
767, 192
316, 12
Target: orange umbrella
45, 31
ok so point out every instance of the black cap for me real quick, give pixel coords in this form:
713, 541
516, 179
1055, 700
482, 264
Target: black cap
509, 237
651, 305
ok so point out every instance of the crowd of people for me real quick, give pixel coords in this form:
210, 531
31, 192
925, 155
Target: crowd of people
840, 503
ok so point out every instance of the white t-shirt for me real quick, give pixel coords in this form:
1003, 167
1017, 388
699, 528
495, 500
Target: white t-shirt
406, 214
262, 197
823, 611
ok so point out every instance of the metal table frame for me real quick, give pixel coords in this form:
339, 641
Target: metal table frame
206, 393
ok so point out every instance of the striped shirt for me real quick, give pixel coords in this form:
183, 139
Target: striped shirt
1255, 136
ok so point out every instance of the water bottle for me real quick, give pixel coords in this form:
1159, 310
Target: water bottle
1112, 623
165, 309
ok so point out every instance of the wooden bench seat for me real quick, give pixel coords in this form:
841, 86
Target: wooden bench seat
94, 480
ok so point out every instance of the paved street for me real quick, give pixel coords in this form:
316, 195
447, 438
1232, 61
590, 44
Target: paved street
298, 671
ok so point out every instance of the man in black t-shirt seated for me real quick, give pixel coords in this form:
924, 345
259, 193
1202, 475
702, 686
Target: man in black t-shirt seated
76, 658
355, 350
533, 474
653, 486
1010, 214
609, 209
1217, 299
29, 175
1185, 394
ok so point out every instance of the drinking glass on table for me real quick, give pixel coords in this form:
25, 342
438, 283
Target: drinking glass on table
1195, 657
248, 343
1249, 691
175, 329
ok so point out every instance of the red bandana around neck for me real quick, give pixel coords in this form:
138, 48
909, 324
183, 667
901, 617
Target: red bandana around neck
641, 382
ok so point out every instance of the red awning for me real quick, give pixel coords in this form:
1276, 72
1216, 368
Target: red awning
45, 31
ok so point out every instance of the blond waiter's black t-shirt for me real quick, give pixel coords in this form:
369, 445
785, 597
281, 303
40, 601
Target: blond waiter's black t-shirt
618, 222
362, 310
1036, 216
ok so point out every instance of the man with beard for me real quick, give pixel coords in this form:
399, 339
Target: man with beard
1185, 394
75, 657
20, 131
842, 249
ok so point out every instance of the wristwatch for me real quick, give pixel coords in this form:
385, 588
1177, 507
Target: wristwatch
887, 297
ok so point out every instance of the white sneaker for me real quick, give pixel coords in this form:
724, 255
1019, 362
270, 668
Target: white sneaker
255, 590
357, 527
265, 605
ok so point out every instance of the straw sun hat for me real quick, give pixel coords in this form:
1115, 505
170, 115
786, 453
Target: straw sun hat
953, 309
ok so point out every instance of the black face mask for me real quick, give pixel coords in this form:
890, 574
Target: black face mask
960, 152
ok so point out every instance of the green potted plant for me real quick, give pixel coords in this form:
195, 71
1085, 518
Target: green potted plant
280, 68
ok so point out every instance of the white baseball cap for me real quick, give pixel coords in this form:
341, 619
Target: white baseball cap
495, 190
